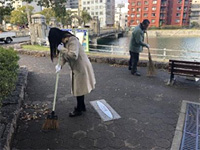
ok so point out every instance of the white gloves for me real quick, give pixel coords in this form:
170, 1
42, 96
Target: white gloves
60, 47
58, 68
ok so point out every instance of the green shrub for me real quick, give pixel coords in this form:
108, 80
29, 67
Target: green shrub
8, 71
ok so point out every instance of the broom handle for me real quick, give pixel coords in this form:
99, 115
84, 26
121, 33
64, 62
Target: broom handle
56, 86
147, 40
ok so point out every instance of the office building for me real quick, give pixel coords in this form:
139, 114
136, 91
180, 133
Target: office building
121, 15
103, 9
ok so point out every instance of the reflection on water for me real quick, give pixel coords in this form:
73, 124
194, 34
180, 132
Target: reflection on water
185, 44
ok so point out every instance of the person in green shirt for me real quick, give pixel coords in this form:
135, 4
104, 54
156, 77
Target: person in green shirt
136, 45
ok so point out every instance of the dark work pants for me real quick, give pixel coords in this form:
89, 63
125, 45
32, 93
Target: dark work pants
80, 103
134, 58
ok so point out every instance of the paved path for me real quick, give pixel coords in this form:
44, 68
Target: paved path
148, 107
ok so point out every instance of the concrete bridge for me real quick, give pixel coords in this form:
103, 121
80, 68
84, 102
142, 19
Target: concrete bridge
105, 32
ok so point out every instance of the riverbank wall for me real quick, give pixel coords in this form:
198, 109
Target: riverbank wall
173, 33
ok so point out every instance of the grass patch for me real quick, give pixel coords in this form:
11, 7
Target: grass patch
35, 48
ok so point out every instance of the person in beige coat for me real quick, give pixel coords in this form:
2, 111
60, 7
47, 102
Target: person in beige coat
82, 74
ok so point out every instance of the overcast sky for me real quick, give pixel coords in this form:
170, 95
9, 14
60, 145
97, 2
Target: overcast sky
121, 1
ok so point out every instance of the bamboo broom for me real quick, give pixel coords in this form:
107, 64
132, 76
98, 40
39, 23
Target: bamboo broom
150, 65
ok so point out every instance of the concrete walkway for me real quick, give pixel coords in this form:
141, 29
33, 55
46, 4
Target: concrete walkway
148, 108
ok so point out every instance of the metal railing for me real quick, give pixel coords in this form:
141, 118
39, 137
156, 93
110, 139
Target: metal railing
163, 54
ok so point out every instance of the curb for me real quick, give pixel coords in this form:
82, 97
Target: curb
9, 113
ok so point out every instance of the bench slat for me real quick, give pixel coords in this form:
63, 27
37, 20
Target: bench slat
189, 72
186, 62
189, 75
185, 66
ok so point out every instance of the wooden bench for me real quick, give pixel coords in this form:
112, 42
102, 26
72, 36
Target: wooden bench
183, 68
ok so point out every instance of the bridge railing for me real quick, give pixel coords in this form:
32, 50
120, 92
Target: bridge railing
162, 54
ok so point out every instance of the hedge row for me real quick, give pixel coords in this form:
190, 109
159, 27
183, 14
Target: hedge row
8, 71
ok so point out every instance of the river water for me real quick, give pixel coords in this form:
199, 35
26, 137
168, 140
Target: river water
185, 46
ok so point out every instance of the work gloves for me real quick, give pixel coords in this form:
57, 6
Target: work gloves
148, 46
60, 47
58, 68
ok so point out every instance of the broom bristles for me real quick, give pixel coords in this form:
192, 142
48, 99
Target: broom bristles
151, 69
51, 122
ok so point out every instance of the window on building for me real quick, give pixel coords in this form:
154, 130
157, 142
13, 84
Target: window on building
133, 3
146, 2
146, 8
138, 15
108, 0
96, 1
101, 13
84, 8
184, 21
138, 9
96, 13
108, 13
84, 3
184, 15
101, 1
153, 14
92, 13
153, 21
92, 2
145, 15
132, 15
88, 2
185, 8
154, 1
179, 8
186, 2
179, 1
177, 20
138, 21
178, 14
88, 8
162, 16
108, 6
139, 3
133, 9
153, 8
132, 21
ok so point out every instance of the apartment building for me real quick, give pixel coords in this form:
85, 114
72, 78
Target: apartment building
121, 15
179, 12
159, 12
103, 9
144, 9
195, 11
